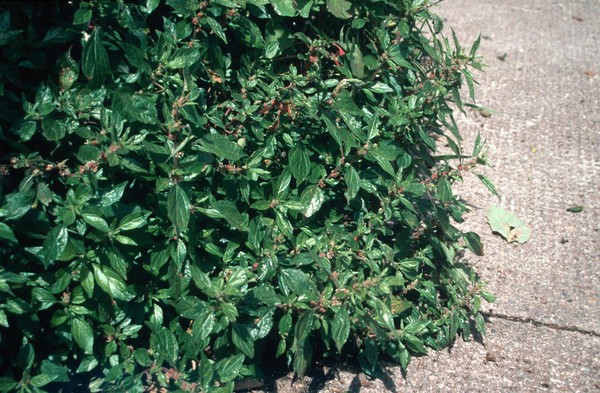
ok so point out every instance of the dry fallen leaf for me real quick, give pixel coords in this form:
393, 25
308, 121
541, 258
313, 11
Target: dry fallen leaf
507, 225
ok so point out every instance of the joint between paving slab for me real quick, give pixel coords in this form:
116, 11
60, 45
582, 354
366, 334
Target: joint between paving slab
537, 323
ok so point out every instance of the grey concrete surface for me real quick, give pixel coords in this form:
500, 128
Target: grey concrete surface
543, 86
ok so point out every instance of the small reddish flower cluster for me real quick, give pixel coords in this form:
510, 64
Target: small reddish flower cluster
90, 166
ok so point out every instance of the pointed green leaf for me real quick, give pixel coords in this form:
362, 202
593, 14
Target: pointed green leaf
132, 221
111, 283
178, 207
17, 205
294, 281
284, 7
302, 358
54, 244
7, 233
229, 368
414, 344
184, 57
299, 163
575, 209
96, 222
114, 195
383, 313
216, 28
339, 8
313, 198
352, 180
444, 192
40, 380
25, 130
87, 364
283, 182
151, 5
473, 242
242, 340
134, 106
8, 384
490, 186
127, 241
45, 298
167, 346
222, 147
231, 214
248, 32
95, 65
340, 329
83, 334
380, 87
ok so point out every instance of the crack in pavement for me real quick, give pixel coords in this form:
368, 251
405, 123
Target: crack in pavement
537, 323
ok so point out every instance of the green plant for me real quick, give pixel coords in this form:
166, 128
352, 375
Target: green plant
187, 184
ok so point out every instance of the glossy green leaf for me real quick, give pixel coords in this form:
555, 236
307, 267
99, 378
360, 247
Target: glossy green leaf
96, 222
178, 205
444, 191
167, 346
229, 211
113, 195
25, 130
184, 57
313, 198
490, 186
8, 384
383, 313
228, 368
242, 340
151, 5
339, 8
132, 221
41, 380
284, 7
414, 343
299, 164
44, 297
473, 242
95, 65
297, 282
54, 244
216, 28
17, 205
58, 372
111, 283
340, 329
352, 180
380, 87
222, 147
83, 334
7, 234
87, 364
133, 106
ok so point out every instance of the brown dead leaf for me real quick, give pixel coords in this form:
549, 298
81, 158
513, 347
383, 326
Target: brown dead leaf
589, 74
216, 78
577, 18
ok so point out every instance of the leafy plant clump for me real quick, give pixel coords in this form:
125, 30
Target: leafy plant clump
190, 187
